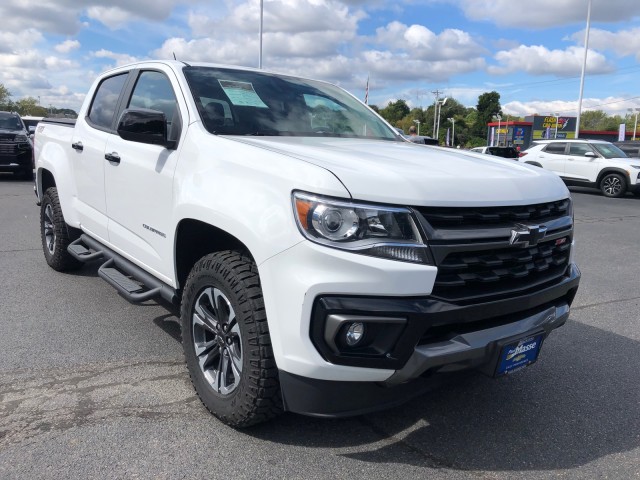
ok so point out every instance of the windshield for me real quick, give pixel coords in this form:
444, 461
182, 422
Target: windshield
608, 150
10, 121
236, 102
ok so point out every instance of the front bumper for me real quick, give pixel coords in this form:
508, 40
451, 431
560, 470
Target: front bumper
438, 338
19, 161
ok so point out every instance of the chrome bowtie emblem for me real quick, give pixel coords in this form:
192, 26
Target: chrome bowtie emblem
527, 235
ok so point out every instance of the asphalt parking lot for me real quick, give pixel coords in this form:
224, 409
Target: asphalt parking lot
94, 387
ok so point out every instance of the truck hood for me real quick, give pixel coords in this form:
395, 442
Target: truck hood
410, 174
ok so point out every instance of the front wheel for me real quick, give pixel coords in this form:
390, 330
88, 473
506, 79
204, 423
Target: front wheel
56, 234
613, 185
226, 340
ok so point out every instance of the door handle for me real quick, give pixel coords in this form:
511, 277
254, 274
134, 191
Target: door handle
77, 146
112, 157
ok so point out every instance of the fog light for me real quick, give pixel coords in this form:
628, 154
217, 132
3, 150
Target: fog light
354, 334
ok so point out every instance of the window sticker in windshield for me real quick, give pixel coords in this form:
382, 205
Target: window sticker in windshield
241, 94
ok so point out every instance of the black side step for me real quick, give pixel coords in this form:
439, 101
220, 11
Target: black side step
131, 281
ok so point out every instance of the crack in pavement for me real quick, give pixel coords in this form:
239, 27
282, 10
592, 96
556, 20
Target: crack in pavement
34, 403
587, 219
608, 302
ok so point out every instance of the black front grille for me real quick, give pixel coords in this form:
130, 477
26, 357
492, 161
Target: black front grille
7, 137
476, 260
469, 217
473, 274
8, 148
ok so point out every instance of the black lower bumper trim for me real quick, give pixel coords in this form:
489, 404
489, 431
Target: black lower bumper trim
328, 398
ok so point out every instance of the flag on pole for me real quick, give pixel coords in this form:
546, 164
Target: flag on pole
366, 92
447, 137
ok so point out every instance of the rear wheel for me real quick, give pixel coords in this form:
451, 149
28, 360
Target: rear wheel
55, 234
226, 340
613, 185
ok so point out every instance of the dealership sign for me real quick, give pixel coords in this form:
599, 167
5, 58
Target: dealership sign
553, 127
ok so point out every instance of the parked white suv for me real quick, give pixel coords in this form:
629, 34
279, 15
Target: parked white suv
587, 163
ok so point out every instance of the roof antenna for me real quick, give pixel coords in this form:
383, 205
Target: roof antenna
174, 56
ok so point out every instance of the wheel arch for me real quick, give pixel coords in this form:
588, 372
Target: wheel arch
45, 180
606, 171
194, 239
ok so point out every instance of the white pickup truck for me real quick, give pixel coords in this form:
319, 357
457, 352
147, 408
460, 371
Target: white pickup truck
322, 264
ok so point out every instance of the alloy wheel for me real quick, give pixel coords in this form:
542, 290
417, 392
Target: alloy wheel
612, 186
217, 340
49, 230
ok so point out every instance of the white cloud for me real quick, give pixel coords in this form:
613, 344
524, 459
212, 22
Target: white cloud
385, 65
548, 13
420, 42
67, 46
63, 16
120, 58
611, 105
11, 42
539, 60
623, 42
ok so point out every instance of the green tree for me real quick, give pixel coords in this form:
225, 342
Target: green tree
488, 106
592, 119
29, 106
5, 98
395, 111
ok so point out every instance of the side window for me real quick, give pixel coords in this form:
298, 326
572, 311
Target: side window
579, 149
556, 148
105, 101
153, 90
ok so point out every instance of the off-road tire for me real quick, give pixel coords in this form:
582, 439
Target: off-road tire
613, 185
255, 397
55, 234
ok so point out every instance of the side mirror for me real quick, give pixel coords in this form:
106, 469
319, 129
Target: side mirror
32, 129
590, 154
144, 126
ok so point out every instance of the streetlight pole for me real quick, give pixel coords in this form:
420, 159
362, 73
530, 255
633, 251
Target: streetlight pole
557, 119
261, 21
440, 103
584, 67
418, 123
499, 117
635, 124
453, 133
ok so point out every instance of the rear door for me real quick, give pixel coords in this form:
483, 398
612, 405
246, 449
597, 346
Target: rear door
139, 187
580, 165
553, 157
90, 137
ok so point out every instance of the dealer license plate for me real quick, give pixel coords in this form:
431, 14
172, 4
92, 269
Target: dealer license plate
517, 355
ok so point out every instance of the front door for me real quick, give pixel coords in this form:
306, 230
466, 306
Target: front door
139, 184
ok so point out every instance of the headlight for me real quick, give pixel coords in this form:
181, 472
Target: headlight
635, 166
21, 139
376, 230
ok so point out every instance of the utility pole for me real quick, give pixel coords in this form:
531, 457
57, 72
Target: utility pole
584, 68
435, 110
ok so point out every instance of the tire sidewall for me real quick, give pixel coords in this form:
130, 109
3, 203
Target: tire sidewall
224, 406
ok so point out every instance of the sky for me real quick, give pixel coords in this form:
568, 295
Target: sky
531, 53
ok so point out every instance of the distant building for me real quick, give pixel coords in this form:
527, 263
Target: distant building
541, 127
